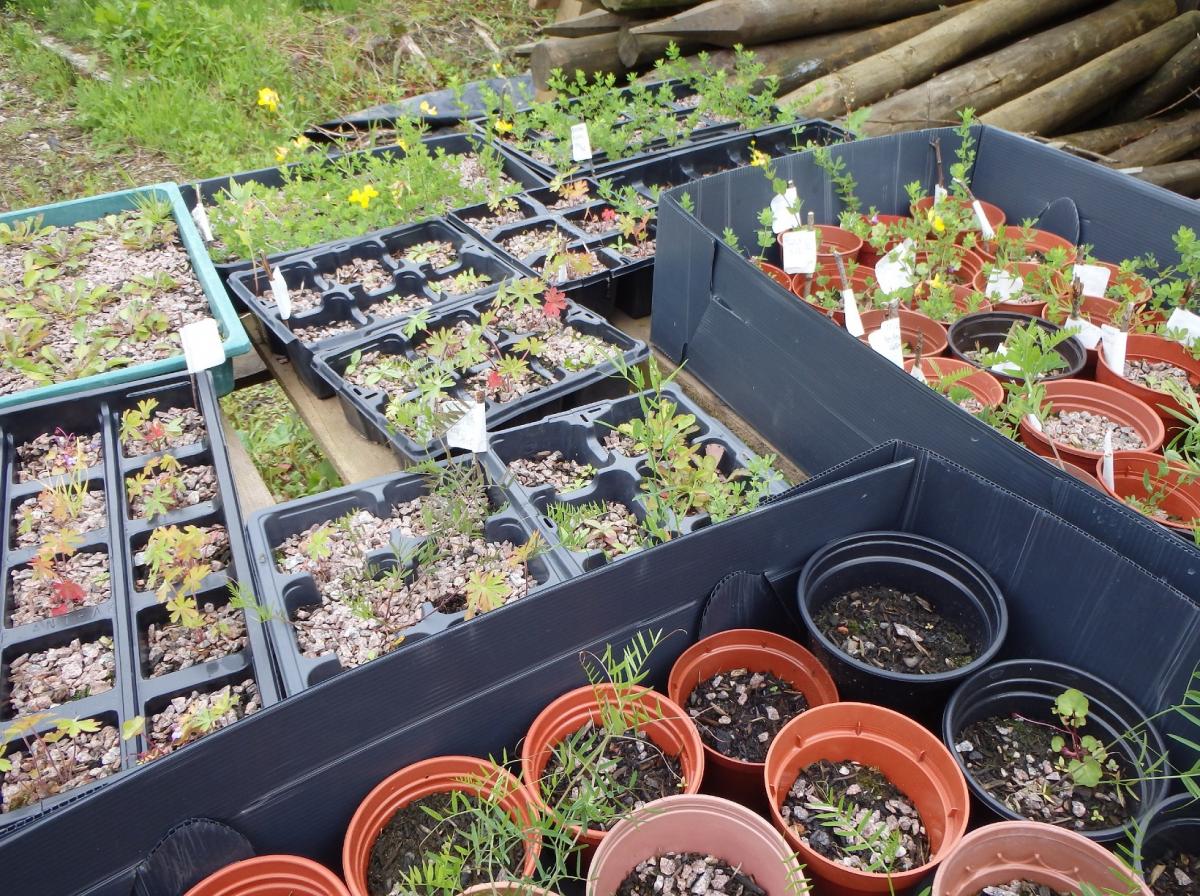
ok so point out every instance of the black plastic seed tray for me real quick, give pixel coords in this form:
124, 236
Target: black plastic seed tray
451, 144
286, 591
365, 406
345, 308
125, 616
588, 437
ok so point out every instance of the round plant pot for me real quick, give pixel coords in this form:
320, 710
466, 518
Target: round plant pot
1172, 825
1096, 398
1039, 853
1083, 475
701, 824
1137, 284
959, 589
969, 266
988, 329
1097, 311
1029, 687
862, 282
994, 214
833, 241
776, 274
985, 387
963, 304
507, 888
1152, 348
271, 876
1182, 492
441, 774
1039, 241
912, 323
905, 753
671, 730
756, 651
1023, 269
868, 254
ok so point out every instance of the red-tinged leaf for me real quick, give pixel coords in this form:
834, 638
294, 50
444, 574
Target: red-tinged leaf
609, 214
154, 431
59, 610
556, 302
494, 379
69, 592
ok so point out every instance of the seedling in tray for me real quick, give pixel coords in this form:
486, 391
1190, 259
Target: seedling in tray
145, 428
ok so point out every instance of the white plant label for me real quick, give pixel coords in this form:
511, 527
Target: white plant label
799, 251
886, 341
469, 432
918, 374
1084, 330
279, 292
200, 216
1106, 462
560, 276
202, 346
939, 194
894, 271
783, 216
1004, 366
1034, 422
854, 325
581, 143
1003, 285
1094, 278
985, 226
1114, 348
1189, 322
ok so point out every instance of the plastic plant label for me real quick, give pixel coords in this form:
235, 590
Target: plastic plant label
581, 143
1115, 342
985, 226
469, 432
783, 218
799, 251
918, 374
886, 341
893, 272
279, 292
939, 195
1188, 321
1106, 462
1084, 330
561, 275
1005, 366
1003, 285
200, 216
1094, 278
202, 346
1033, 422
854, 325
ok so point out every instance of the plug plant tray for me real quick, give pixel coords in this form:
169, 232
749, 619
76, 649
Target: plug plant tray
75, 211
387, 280
367, 405
82, 633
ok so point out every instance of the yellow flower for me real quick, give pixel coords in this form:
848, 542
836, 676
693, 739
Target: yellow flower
939, 225
300, 142
363, 196
427, 109
936, 282
403, 144
758, 158
281, 153
269, 98
504, 127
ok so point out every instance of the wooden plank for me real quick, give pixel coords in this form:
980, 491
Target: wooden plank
252, 493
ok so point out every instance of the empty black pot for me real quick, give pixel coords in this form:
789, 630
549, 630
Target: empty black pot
987, 329
1171, 826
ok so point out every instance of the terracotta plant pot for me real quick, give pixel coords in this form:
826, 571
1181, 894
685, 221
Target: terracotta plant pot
1078, 472
1097, 398
868, 254
988, 329
1182, 500
967, 300
1097, 311
1039, 853
908, 755
701, 824
1174, 824
969, 267
1039, 241
757, 651
833, 241
441, 774
1036, 309
271, 876
993, 213
776, 274
507, 888
1137, 284
911, 323
1152, 348
862, 282
671, 731
985, 387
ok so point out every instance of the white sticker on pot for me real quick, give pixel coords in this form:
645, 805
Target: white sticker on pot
1094, 278
279, 292
469, 432
1115, 342
1187, 321
200, 216
1003, 286
985, 226
887, 341
202, 346
1034, 422
1084, 330
1106, 462
581, 143
939, 194
854, 324
799, 251
784, 214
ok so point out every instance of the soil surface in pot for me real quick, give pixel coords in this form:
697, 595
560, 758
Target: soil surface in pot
70, 507
574, 350
1153, 374
1083, 429
172, 646
155, 430
572, 196
1175, 874
1014, 761
41, 769
398, 304
47, 678
164, 485
682, 873
633, 771
637, 248
369, 273
572, 266
413, 834
597, 222
530, 242
70, 583
739, 712
303, 298
317, 332
501, 216
207, 545
1020, 888
615, 531
551, 468
852, 814
971, 405
188, 718
55, 453
434, 253
490, 385
894, 630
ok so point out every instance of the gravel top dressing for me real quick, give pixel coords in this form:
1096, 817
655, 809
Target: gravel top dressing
679, 874
739, 712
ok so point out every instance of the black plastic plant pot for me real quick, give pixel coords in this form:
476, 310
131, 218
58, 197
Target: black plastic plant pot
1173, 826
1029, 688
959, 589
987, 329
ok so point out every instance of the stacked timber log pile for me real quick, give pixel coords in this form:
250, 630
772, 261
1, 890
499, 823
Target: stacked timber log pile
1118, 82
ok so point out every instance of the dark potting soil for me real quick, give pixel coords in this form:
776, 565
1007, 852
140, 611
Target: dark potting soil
1020, 888
687, 873
633, 772
413, 835
1175, 874
1014, 761
895, 630
739, 712
876, 827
